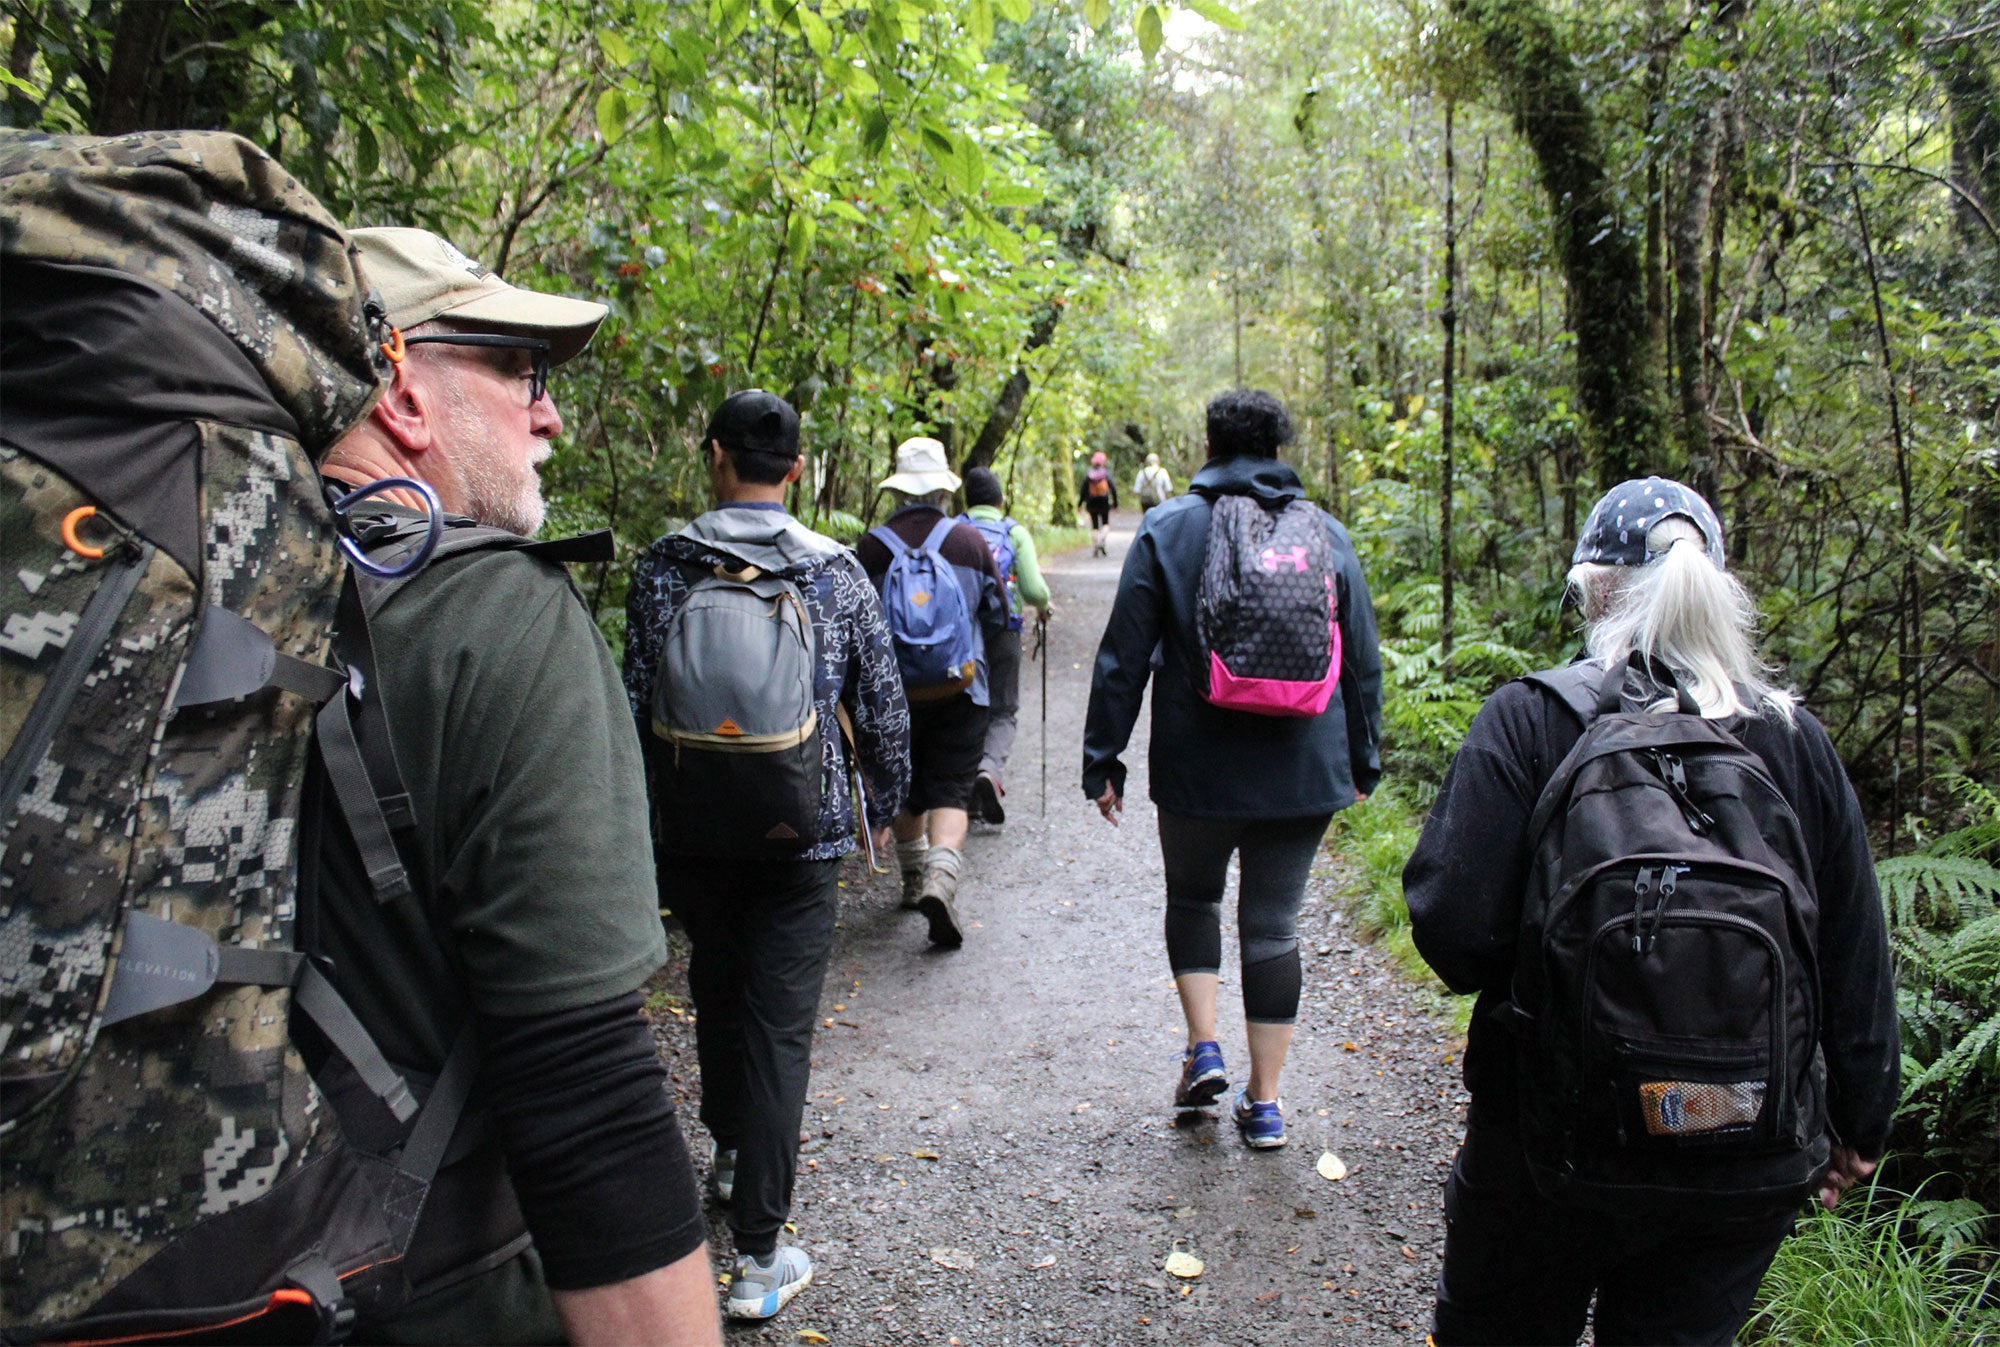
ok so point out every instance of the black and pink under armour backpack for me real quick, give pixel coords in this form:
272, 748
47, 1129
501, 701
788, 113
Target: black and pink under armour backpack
1266, 612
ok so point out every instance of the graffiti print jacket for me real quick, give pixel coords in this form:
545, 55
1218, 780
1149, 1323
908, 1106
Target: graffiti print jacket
856, 663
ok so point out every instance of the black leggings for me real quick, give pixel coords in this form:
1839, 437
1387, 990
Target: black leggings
1277, 857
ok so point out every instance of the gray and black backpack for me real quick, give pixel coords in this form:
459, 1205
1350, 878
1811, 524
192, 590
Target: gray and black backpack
1666, 993
737, 756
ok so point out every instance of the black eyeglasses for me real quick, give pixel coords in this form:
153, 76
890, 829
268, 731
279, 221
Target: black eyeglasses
538, 381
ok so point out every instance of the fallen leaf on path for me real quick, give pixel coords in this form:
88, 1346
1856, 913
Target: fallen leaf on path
1267, 1297
958, 1260
1408, 1252
813, 1335
1040, 1263
923, 1153
1350, 1047
1181, 1263
1304, 1213
1331, 1167
1293, 1249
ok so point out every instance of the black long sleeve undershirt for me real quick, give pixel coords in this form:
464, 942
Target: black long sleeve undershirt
592, 1143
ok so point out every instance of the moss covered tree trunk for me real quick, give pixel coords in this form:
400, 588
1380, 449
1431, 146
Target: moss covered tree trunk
1617, 384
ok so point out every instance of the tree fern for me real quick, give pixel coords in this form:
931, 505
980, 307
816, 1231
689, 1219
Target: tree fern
1924, 886
1943, 905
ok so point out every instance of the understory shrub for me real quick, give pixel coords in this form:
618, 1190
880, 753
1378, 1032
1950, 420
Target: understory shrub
1884, 1269
1943, 905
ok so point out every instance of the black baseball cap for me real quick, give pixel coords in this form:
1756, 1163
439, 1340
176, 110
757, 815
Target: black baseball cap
1615, 533
757, 421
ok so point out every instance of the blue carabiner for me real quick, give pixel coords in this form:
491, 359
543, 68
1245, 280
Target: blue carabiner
432, 507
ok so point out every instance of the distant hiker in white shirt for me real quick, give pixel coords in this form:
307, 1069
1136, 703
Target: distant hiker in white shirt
1152, 485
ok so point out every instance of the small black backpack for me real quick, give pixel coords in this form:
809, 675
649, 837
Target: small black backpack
1268, 610
1666, 994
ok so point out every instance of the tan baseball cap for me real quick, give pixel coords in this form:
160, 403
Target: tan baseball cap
421, 277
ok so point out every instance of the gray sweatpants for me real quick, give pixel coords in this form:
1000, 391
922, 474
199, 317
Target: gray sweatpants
1003, 693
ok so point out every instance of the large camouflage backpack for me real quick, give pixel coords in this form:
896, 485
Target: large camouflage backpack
184, 335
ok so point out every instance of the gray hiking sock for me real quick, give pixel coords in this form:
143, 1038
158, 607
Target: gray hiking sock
946, 859
910, 855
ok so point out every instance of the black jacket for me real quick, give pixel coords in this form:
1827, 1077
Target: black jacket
1466, 880
1205, 761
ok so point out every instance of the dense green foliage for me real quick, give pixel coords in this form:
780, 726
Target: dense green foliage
1494, 254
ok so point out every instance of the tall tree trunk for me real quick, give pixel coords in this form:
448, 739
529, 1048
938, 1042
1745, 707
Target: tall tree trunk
1446, 423
1236, 297
135, 53
1007, 407
1690, 244
1617, 389
1910, 611
1689, 235
1656, 187
1973, 93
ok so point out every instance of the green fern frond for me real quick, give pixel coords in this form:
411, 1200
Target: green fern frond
1971, 957
1958, 887
1951, 1226
1978, 1050
1981, 836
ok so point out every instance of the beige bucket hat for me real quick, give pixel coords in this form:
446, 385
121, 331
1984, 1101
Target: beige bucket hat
421, 277
920, 468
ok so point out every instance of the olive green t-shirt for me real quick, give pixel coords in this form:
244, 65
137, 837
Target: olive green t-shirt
519, 753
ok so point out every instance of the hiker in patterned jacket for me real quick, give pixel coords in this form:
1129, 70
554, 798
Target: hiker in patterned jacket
758, 896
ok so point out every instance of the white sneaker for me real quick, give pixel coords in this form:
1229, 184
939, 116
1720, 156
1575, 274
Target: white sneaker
763, 1286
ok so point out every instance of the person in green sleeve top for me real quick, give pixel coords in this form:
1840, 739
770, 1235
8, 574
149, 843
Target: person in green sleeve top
1013, 551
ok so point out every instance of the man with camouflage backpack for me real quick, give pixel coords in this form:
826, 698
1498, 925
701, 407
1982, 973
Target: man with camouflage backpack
216, 1052
527, 835
760, 672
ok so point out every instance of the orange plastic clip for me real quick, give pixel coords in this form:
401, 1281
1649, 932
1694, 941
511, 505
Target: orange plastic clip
394, 348
70, 539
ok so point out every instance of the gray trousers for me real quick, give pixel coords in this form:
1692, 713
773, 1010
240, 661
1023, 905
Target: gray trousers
1003, 694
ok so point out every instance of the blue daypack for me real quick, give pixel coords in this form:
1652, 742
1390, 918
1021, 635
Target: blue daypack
929, 620
999, 536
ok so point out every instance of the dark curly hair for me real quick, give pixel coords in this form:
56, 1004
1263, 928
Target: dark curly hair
1247, 421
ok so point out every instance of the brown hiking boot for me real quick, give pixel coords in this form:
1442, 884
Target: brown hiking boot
939, 888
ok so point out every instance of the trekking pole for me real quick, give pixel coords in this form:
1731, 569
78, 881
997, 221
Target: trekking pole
1042, 654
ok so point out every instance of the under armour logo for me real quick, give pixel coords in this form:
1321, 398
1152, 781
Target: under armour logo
1271, 558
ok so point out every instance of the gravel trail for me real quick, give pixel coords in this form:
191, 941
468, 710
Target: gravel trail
991, 1156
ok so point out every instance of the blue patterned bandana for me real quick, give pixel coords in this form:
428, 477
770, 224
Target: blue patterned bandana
1615, 533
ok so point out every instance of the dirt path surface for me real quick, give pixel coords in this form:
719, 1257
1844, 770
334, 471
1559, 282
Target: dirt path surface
992, 1158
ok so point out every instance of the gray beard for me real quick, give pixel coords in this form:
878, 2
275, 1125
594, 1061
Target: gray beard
493, 496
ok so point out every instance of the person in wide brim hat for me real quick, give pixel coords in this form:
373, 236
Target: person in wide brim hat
921, 469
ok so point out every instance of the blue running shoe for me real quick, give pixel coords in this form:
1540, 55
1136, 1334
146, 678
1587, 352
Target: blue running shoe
1203, 1077
1262, 1122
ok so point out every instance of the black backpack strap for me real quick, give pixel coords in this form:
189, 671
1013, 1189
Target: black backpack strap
354, 740
360, 760
1578, 686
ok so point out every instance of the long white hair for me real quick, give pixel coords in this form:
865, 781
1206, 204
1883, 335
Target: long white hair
1683, 609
